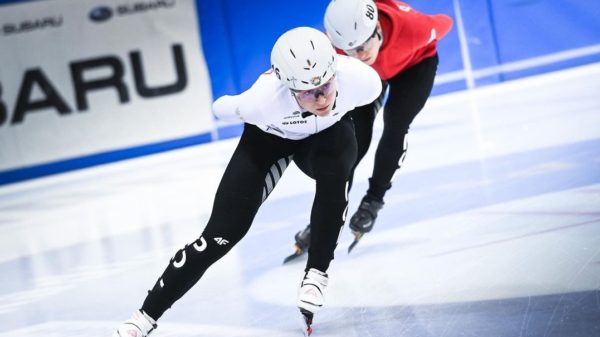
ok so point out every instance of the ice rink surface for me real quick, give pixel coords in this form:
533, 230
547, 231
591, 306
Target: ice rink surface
491, 229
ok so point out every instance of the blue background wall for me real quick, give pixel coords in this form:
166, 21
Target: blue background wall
506, 39
237, 37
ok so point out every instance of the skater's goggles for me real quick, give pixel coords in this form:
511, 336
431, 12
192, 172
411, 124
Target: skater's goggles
364, 46
309, 96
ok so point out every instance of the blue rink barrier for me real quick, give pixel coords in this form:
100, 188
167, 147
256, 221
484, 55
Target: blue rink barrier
237, 37
71, 164
505, 39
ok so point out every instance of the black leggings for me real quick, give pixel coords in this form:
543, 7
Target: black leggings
253, 171
408, 92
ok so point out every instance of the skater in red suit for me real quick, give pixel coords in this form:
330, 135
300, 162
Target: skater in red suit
296, 111
400, 43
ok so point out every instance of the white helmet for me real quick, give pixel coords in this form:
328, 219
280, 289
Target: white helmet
303, 58
349, 23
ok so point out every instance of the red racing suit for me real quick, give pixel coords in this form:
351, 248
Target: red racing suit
409, 36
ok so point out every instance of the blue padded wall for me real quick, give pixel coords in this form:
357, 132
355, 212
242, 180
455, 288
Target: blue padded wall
498, 33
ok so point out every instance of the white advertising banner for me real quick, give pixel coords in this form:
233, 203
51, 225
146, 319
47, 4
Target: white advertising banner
80, 77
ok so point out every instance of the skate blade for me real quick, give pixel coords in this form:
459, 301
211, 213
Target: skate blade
357, 237
299, 251
306, 318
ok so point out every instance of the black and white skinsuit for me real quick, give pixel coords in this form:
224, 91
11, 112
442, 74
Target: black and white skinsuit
276, 131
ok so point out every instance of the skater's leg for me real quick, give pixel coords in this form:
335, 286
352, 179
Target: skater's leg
239, 195
328, 158
408, 94
363, 118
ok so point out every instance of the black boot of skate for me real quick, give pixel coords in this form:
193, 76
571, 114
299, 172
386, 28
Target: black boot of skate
302, 243
363, 219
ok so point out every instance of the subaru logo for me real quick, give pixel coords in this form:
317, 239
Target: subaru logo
101, 14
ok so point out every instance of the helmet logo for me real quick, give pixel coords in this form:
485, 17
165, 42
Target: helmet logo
310, 65
316, 80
